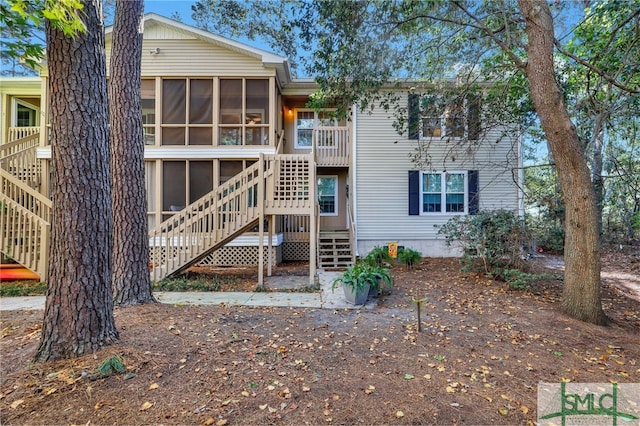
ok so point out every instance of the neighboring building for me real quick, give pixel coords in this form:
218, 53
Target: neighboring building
229, 142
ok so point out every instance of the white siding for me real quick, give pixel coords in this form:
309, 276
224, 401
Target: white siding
383, 162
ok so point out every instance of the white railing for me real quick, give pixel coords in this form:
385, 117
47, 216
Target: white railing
331, 146
21, 132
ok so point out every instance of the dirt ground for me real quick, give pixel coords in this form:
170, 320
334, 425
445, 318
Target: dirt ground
482, 350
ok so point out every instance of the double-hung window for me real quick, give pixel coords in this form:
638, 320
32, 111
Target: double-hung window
434, 116
328, 195
444, 192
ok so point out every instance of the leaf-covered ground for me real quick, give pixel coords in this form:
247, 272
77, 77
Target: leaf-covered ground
482, 350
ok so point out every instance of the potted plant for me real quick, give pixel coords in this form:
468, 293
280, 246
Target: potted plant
382, 278
358, 279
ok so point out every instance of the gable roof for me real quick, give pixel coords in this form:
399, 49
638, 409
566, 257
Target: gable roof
280, 63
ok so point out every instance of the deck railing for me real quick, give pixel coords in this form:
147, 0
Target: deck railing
22, 132
331, 146
295, 228
20, 160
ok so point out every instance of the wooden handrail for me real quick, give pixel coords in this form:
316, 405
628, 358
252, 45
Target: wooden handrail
22, 132
331, 145
24, 236
25, 196
19, 158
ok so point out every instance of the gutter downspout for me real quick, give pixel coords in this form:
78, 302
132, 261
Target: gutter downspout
354, 167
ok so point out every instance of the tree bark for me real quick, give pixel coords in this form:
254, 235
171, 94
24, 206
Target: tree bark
78, 317
131, 282
581, 293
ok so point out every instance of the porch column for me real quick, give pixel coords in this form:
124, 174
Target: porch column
261, 196
312, 220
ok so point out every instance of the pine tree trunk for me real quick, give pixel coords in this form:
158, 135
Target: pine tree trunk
581, 293
131, 281
78, 317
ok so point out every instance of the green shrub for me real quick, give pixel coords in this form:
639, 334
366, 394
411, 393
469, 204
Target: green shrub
409, 257
378, 255
490, 241
23, 288
195, 283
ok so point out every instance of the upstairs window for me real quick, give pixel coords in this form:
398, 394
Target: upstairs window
187, 112
433, 116
244, 112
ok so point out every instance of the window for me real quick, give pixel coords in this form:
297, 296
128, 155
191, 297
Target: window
26, 114
187, 112
244, 112
306, 120
448, 122
433, 116
451, 192
328, 195
183, 182
148, 106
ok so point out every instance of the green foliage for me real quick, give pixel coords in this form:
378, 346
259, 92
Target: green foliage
520, 280
112, 365
491, 241
409, 257
379, 255
183, 283
364, 274
21, 21
22, 288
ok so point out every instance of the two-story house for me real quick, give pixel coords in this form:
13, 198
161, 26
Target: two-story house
240, 172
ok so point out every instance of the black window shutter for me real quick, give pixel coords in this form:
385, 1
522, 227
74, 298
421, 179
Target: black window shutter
414, 192
414, 116
474, 192
473, 117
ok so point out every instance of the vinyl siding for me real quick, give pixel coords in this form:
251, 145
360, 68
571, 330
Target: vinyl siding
194, 57
383, 161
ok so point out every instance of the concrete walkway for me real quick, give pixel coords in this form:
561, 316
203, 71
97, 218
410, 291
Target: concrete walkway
325, 299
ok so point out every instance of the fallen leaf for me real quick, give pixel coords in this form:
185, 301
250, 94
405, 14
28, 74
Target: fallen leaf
262, 407
221, 422
524, 409
399, 414
272, 410
306, 389
153, 386
244, 393
145, 406
503, 411
449, 389
209, 421
16, 403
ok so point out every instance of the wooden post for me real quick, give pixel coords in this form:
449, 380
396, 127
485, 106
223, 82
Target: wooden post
272, 225
312, 221
260, 198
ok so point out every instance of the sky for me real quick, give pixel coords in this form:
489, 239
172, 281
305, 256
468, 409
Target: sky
168, 7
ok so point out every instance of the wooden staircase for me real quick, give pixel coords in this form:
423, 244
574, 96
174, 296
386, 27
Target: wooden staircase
267, 187
335, 249
25, 214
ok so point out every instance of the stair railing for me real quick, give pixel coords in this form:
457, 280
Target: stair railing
206, 224
19, 158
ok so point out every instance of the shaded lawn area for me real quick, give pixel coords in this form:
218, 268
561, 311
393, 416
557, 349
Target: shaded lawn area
481, 353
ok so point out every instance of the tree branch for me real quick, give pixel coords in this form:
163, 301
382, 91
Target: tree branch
595, 69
